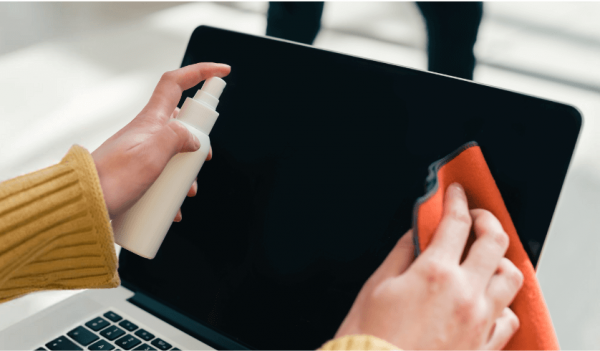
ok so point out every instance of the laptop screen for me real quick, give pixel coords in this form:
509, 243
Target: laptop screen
318, 160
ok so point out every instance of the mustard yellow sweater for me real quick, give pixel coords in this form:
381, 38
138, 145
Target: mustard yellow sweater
55, 233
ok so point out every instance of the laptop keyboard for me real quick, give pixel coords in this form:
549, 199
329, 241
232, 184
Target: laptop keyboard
109, 332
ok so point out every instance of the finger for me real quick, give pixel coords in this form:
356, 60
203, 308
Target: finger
506, 326
175, 113
168, 92
489, 247
450, 237
209, 157
504, 285
174, 138
399, 259
193, 190
178, 216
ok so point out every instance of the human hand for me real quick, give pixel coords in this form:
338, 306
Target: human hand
130, 161
437, 302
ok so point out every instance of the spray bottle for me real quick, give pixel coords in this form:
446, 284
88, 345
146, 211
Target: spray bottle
143, 227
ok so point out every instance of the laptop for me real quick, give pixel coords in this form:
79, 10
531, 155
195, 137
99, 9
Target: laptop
318, 160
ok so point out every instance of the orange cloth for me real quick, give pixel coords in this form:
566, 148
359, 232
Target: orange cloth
467, 167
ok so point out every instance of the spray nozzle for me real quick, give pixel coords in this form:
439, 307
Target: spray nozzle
210, 92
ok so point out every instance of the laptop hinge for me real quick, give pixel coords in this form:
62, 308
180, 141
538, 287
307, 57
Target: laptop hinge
184, 323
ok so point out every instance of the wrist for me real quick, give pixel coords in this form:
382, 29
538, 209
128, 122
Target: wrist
358, 342
105, 184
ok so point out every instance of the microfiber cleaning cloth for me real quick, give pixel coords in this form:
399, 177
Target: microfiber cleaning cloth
467, 167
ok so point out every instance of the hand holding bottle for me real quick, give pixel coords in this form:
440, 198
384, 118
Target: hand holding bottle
130, 161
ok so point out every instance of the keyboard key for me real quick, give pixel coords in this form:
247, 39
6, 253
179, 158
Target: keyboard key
83, 336
128, 325
112, 332
113, 316
128, 342
97, 324
62, 343
161, 344
101, 345
146, 336
145, 347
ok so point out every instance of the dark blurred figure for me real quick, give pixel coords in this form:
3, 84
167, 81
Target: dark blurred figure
451, 33
451, 30
297, 21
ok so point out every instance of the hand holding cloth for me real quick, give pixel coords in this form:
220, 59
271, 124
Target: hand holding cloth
468, 167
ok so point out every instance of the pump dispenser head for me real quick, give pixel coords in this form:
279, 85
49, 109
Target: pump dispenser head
210, 92
200, 112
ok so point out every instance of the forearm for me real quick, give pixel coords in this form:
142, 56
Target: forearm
55, 231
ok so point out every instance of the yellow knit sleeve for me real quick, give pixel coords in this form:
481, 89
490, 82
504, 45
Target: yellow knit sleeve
55, 231
358, 342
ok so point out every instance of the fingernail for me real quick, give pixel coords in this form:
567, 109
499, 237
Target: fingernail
224, 64
196, 142
457, 188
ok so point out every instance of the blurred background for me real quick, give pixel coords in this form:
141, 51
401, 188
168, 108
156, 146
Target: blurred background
78, 72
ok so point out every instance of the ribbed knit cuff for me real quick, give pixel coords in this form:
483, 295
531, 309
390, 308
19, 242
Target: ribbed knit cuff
358, 342
55, 231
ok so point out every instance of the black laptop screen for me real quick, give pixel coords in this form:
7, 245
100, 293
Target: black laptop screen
318, 160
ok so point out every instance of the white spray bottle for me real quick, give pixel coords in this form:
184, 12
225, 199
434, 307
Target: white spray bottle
143, 227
